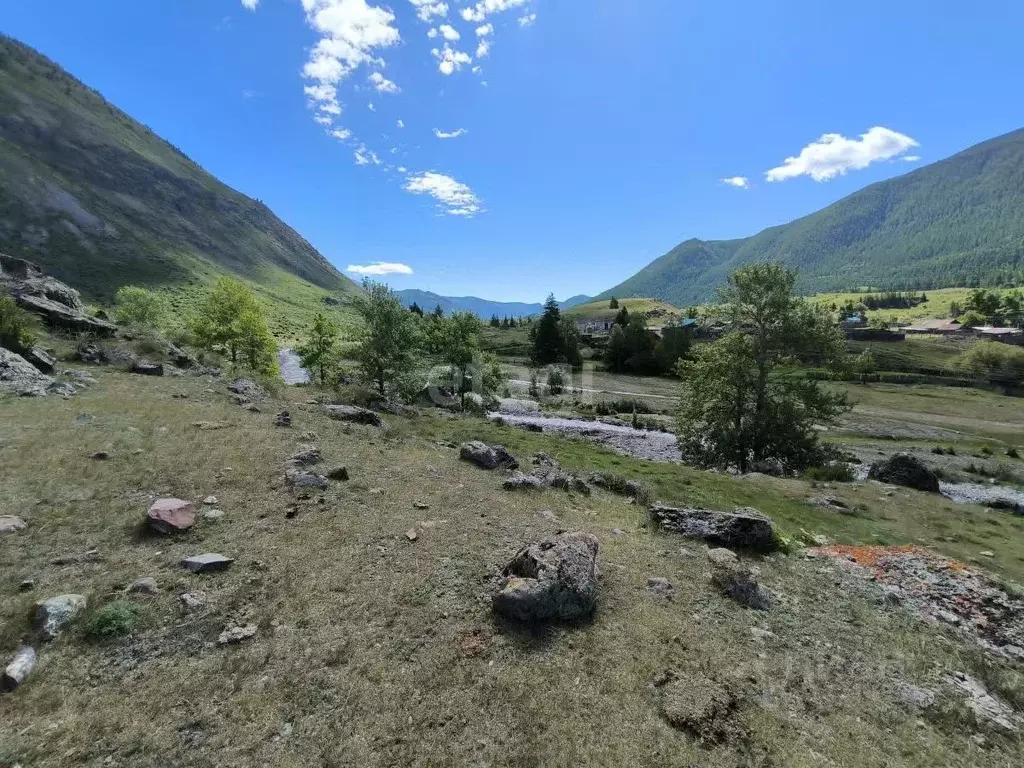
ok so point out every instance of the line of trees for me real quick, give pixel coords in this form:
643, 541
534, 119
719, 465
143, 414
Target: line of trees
984, 307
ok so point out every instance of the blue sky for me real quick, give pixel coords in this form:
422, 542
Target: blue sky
593, 135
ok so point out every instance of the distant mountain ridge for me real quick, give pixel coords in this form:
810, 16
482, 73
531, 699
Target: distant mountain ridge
480, 307
956, 222
99, 200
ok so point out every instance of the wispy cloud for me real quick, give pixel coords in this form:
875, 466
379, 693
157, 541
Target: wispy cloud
834, 155
450, 134
378, 268
453, 197
364, 156
740, 182
382, 84
911, 159
485, 8
450, 60
250, 4
341, 134
527, 20
401, 123
482, 49
428, 9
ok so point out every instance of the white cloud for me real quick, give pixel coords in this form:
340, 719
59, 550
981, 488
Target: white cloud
380, 268
363, 156
250, 4
449, 32
455, 198
402, 169
740, 182
382, 84
352, 30
485, 8
483, 49
485, 30
912, 159
477, 70
833, 155
341, 134
450, 135
450, 60
428, 9
432, 33
323, 119
370, 107
527, 20
401, 123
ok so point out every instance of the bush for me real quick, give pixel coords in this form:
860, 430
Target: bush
556, 381
16, 326
624, 405
112, 620
139, 307
830, 473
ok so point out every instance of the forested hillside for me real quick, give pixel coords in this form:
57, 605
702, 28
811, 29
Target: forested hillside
957, 222
99, 200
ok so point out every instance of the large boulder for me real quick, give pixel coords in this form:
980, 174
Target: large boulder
54, 614
741, 529
487, 456
546, 478
168, 516
248, 390
58, 304
41, 359
554, 578
908, 471
18, 376
354, 414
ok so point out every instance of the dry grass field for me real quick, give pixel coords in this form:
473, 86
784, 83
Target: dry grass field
376, 650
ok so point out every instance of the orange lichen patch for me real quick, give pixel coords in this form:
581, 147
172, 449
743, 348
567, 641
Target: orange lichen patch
868, 556
473, 643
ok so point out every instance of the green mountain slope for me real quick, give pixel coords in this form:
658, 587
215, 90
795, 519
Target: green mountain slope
99, 200
956, 222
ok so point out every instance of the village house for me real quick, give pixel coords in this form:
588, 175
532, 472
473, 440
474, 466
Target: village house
1005, 335
939, 326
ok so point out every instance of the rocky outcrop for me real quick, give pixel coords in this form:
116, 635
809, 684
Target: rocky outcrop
41, 359
905, 470
741, 529
58, 304
248, 390
554, 578
18, 376
487, 456
354, 415
546, 478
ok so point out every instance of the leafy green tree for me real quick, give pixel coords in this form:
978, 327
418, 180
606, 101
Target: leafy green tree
622, 319
738, 407
416, 309
999, 363
864, 363
985, 303
319, 352
217, 325
972, 318
1013, 309
138, 307
16, 324
631, 348
388, 338
255, 342
674, 345
613, 304
459, 348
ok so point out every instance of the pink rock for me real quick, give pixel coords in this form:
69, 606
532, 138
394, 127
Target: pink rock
171, 516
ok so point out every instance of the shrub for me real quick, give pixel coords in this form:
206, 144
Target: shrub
986, 449
623, 405
112, 620
139, 307
556, 381
15, 326
830, 473
1012, 453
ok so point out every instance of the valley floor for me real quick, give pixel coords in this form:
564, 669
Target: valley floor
374, 649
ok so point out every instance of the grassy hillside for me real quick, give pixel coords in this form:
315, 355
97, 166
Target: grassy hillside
599, 310
99, 200
959, 221
937, 304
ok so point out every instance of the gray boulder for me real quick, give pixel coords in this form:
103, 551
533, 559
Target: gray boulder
58, 304
306, 456
354, 414
18, 376
148, 369
11, 524
207, 563
300, 478
41, 359
554, 578
742, 529
521, 482
18, 670
145, 586
283, 419
487, 456
739, 582
248, 390
54, 614
905, 470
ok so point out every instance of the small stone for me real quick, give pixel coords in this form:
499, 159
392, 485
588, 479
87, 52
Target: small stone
722, 556
411, 534
54, 614
306, 456
99, 456
420, 505
213, 514
339, 474
548, 515
236, 634
304, 479
193, 599
27, 585
987, 553
284, 419
11, 524
145, 586
761, 634
210, 500
18, 670
659, 586
207, 563
169, 516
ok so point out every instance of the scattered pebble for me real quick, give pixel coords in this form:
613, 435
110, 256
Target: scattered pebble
210, 500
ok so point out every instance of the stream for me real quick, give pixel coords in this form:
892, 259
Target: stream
292, 371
